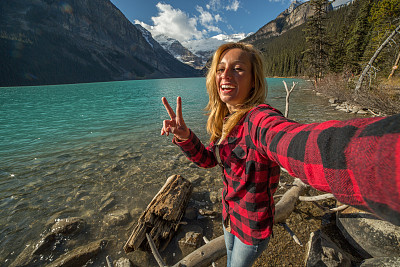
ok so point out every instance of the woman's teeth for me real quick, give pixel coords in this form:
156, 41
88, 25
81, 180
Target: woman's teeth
223, 87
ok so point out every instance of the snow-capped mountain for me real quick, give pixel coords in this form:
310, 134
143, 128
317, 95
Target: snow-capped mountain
175, 48
204, 48
196, 52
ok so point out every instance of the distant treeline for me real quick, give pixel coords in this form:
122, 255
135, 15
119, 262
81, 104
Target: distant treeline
353, 33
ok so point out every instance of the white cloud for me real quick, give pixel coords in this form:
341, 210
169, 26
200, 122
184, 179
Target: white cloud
233, 6
173, 23
214, 5
207, 20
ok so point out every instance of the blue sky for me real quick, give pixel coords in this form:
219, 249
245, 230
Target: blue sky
187, 20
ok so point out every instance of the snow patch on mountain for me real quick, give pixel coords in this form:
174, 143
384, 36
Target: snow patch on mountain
205, 48
339, 3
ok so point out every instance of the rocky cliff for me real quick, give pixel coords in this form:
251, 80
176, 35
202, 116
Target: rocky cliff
295, 15
175, 48
74, 41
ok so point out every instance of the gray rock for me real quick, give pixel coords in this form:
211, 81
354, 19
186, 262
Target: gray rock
333, 100
362, 112
79, 256
64, 227
321, 251
44, 244
123, 262
355, 109
215, 197
26, 257
369, 235
381, 262
206, 212
68, 226
192, 240
189, 237
119, 217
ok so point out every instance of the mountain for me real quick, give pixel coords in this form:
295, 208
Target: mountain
205, 48
55, 42
295, 15
175, 48
341, 3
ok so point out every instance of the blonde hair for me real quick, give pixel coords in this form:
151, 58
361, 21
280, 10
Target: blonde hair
217, 110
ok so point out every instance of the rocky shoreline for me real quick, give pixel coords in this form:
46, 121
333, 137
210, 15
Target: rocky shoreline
347, 107
313, 224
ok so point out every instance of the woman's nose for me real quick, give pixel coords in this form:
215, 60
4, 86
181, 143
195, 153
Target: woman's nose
227, 73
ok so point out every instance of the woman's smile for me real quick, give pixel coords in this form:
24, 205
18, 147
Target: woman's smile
234, 78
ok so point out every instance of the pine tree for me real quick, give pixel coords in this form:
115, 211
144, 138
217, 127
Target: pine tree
384, 18
316, 53
359, 36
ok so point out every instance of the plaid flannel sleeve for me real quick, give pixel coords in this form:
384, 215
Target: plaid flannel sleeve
357, 160
197, 152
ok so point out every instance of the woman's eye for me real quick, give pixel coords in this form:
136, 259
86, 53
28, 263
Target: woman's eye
220, 70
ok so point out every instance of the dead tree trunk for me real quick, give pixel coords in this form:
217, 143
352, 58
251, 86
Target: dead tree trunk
369, 65
288, 92
162, 216
395, 67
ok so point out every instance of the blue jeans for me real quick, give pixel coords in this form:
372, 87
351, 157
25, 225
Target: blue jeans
240, 254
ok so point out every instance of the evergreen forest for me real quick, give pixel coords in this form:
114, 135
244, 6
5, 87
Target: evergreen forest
335, 47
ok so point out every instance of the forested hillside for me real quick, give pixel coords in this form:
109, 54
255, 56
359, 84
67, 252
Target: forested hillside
352, 34
283, 55
333, 48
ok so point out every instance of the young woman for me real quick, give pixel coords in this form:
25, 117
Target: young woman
357, 160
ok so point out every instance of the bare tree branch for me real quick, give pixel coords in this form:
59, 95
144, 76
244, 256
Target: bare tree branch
371, 61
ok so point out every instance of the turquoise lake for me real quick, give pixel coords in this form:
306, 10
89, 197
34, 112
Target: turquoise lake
65, 148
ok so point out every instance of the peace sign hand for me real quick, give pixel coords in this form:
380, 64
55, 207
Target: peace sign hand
176, 125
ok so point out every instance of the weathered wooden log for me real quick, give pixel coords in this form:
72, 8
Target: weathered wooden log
162, 216
286, 205
205, 255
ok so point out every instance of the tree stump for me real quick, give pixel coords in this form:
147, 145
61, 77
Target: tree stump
162, 216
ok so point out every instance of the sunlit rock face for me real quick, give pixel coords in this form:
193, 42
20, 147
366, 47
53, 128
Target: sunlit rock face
52, 42
294, 16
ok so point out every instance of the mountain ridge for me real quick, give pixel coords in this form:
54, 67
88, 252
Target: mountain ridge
294, 16
51, 42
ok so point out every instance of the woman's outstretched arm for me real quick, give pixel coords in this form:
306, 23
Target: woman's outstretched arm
357, 160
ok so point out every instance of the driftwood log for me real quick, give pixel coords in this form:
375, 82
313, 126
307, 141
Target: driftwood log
162, 216
286, 205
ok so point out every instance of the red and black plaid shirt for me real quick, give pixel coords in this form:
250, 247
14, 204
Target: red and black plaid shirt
357, 160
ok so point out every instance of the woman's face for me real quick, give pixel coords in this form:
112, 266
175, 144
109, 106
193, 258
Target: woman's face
234, 78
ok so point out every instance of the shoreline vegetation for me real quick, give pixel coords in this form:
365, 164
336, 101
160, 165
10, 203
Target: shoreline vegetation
382, 98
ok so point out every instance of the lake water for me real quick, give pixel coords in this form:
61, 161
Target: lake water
64, 148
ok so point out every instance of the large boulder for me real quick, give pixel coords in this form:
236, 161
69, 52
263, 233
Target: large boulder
381, 262
321, 251
79, 256
369, 235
